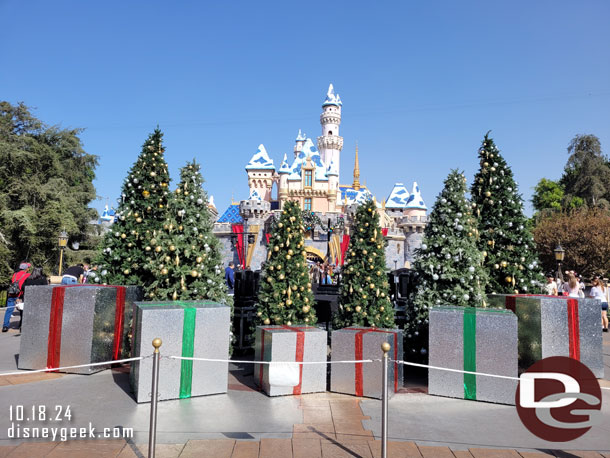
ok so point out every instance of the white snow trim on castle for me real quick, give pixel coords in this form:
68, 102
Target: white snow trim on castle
301, 137
254, 195
399, 197
415, 200
260, 160
309, 150
332, 98
332, 169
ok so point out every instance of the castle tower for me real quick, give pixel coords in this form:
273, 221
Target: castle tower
330, 143
261, 174
282, 194
300, 140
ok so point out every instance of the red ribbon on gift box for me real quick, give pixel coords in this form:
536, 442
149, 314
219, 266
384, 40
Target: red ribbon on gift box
298, 357
56, 319
358, 354
573, 321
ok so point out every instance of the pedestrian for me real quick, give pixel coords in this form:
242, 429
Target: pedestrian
36, 278
551, 287
230, 276
15, 293
600, 293
73, 275
571, 287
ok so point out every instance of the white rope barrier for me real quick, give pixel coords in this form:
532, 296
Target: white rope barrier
406, 363
270, 362
53, 369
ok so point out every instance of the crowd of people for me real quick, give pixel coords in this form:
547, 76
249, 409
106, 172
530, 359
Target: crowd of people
575, 287
324, 274
28, 275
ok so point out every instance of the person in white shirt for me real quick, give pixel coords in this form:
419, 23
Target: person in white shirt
551, 287
599, 292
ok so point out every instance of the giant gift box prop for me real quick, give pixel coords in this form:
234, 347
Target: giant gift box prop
556, 326
288, 344
474, 340
364, 379
193, 329
76, 324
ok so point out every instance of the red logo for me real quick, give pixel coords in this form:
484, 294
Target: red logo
558, 399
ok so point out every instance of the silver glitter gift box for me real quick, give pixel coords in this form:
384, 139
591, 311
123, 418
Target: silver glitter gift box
556, 326
197, 329
476, 340
74, 325
288, 344
364, 379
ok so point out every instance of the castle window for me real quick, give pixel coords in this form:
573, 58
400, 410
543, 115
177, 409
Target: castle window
330, 132
307, 178
307, 204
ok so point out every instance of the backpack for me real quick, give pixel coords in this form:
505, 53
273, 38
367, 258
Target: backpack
14, 290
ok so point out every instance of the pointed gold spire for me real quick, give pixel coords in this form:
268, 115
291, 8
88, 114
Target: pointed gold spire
356, 184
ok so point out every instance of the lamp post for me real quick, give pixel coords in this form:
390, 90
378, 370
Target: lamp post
62, 242
559, 255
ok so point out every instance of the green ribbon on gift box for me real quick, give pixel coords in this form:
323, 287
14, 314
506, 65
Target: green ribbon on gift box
188, 343
470, 352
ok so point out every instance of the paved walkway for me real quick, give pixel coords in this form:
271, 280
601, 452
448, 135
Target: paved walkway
245, 423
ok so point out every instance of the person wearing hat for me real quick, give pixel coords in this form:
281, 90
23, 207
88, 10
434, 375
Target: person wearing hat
18, 277
551, 287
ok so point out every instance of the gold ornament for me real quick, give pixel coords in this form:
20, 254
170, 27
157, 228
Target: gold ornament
175, 295
158, 249
267, 321
281, 276
138, 220
172, 248
288, 256
508, 279
306, 308
259, 313
146, 193
382, 308
276, 248
199, 259
123, 236
126, 271
194, 273
358, 308
164, 271
153, 174
487, 193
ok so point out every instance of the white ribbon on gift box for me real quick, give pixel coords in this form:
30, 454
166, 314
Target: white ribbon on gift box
284, 374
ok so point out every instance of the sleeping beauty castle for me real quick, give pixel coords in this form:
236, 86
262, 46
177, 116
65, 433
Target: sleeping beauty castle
310, 175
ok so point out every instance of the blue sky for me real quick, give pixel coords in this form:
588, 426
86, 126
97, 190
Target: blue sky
421, 82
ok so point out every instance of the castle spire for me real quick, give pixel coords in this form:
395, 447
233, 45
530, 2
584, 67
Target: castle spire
356, 183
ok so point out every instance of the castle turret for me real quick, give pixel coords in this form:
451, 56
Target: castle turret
356, 183
261, 173
330, 143
298, 147
283, 185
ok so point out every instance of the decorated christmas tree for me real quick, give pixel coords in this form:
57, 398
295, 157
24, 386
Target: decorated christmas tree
141, 211
285, 295
511, 261
186, 262
449, 262
364, 297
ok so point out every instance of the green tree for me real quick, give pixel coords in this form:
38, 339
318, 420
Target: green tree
504, 234
449, 263
548, 196
586, 174
364, 296
46, 185
141, 212
285, 295
187, 262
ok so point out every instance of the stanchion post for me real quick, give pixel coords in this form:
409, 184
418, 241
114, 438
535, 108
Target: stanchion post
152, 432
385, 347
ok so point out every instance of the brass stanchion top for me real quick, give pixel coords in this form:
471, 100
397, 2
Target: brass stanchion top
385, 347
157, 343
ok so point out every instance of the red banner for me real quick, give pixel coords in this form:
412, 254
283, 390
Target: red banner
358, 355
298, 357
238, 229
344, 245
384, 231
